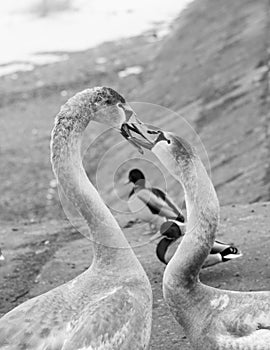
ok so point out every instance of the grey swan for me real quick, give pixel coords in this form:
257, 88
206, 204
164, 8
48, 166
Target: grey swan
213, 319
109, 306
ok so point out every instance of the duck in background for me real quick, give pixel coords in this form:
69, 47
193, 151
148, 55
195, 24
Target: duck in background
167, 246
151, 204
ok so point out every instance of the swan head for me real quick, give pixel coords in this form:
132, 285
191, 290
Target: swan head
150, 136
109, 107
136, 176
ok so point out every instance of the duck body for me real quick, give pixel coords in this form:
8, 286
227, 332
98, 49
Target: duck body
151, 204
109, 306
146, 206
167, 246
212, 318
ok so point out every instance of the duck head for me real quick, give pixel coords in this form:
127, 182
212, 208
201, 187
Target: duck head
169, 230
136, 177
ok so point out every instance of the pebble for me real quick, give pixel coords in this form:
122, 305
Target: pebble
63, 93
130, 71
53, 183
101, 60
14, 76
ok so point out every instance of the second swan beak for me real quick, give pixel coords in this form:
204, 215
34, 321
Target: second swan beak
134, 132
139, 134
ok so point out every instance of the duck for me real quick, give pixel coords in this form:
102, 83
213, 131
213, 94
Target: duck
171, 232
212, 318
109, 306
151, 204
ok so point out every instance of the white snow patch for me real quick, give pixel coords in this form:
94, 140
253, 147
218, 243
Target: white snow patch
15, 67
129, 71
86, 24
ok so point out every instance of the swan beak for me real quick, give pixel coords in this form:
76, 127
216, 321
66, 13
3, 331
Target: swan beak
133, 130
139, 134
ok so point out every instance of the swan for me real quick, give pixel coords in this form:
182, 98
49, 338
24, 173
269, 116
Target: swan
109, 306
167, 246
211, 318
157, 206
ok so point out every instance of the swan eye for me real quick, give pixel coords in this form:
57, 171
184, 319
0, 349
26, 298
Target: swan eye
120, 105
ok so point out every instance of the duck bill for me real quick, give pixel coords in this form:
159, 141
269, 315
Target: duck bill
139, 134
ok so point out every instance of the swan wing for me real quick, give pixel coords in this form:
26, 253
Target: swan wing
249, 330
32, 323
114, 321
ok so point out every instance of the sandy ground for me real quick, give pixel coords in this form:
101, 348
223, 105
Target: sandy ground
42, 256
213, 70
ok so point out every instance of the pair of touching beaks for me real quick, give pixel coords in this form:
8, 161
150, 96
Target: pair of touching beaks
140, 135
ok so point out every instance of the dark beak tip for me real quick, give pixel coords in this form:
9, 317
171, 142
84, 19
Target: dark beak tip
124, 130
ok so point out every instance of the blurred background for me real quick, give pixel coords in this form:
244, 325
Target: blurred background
50, 50
35, 32
199, 68
207, 62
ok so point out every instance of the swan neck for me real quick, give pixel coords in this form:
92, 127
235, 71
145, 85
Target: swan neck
104, 231
202, 221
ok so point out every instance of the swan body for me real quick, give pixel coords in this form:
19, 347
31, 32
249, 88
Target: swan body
212, 318
109, 305
151, 204
171, 237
